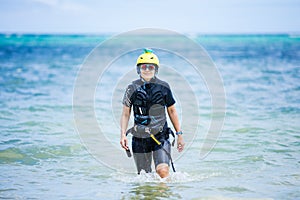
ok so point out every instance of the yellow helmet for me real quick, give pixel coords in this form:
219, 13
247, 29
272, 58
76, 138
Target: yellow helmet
148, 57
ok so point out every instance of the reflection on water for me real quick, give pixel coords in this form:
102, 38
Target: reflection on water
152, 191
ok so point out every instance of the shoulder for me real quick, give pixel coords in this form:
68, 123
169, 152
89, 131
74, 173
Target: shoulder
137, 82
163, 83
134, 84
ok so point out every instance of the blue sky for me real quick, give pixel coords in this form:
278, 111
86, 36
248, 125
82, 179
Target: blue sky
114, 16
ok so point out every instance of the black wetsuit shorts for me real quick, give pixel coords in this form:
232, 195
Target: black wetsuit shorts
146, 148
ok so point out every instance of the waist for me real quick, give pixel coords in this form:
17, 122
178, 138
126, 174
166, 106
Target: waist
160, 136
141, 131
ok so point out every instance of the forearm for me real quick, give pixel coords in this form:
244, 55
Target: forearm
124, 120
124, 124
175, 121
174, 118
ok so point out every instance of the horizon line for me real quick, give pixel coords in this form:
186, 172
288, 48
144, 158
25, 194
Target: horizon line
290, 33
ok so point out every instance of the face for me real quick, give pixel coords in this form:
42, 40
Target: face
147, 71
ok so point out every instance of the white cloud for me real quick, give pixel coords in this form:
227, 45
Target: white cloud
212, 16
65, 5
72, 6
51, 3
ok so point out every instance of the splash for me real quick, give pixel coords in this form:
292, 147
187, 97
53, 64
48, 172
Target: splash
177, 177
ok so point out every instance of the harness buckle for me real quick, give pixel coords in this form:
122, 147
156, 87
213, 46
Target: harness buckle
161, 128
147, 130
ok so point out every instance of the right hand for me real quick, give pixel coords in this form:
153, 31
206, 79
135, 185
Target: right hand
124, 142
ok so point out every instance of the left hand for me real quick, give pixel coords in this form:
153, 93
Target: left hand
180, 143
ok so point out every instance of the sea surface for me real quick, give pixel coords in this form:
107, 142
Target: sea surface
257, 154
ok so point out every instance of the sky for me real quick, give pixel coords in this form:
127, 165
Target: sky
115, 16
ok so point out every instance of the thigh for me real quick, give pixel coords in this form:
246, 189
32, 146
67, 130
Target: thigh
142, 154
143, 161
162, 154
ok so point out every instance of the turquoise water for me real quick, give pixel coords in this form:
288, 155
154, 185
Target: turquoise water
256, 156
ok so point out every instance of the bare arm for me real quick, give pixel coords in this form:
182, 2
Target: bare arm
124, 124
174, 117
175, 121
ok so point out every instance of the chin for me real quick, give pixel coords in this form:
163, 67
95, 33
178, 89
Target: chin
147, 77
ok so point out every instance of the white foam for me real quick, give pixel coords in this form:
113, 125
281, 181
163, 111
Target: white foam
177, 177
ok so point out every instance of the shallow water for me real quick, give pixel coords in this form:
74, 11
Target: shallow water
257, 154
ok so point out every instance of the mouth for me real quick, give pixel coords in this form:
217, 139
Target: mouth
148, 73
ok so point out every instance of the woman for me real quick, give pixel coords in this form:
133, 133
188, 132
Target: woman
150, 97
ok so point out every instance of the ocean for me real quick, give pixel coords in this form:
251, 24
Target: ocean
44, 154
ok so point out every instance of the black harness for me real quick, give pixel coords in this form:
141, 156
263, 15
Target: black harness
148, 100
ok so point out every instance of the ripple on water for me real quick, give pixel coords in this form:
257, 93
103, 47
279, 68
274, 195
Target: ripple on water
33, 155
